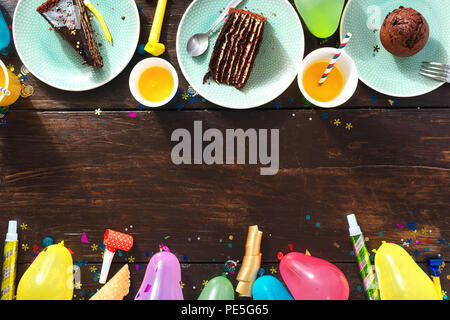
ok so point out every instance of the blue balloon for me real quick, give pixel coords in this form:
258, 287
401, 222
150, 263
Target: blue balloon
270, 288
5, 36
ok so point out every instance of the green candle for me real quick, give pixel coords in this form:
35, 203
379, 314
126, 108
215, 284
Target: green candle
322, 17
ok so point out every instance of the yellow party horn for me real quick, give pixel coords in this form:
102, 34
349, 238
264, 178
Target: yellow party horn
97, 14
153, 46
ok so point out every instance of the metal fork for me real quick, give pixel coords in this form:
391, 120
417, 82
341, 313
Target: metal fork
436, 71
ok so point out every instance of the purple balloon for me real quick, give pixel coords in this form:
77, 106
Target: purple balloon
162, 279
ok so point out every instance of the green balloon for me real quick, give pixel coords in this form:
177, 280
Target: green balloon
218, 288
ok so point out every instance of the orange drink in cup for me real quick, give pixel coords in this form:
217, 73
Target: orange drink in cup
340, 84
10, 86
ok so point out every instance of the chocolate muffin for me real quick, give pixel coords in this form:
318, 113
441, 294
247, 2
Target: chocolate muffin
404, 32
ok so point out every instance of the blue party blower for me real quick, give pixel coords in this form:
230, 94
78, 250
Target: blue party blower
5, 36
270, 288
434, 265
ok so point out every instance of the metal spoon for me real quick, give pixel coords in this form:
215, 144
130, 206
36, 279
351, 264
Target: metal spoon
199, 43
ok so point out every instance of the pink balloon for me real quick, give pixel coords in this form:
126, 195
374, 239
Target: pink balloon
162, 279
310, 278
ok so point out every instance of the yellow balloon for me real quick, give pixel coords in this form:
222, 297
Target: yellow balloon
49, 277
400, 278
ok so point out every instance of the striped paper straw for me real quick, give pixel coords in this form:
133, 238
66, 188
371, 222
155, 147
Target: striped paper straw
4, 91
335, 58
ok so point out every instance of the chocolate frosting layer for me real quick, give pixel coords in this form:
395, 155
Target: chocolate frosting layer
236, 48
70, 19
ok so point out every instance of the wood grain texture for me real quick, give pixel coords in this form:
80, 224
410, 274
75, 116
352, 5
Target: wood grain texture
65, 171
116, 96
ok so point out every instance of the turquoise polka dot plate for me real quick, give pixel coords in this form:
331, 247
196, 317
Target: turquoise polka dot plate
379, 69
53, 61
275, 67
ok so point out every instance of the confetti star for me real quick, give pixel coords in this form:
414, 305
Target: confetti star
98, 112
337, 122
273, 270
131, 259
94, 247
25, 247
93, 268
185, 96
204, 282
424, 230
193, 99
24, 226
78, 285
376, 48
182, 284
348, 126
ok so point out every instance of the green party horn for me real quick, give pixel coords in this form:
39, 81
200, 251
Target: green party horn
363, 259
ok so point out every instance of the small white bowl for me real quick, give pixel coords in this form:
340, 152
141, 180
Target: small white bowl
137, 72
344, 63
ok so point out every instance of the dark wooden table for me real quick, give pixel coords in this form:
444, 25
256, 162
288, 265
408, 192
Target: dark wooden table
64, 171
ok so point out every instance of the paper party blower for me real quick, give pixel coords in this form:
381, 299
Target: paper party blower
310, 278
251, 263
162, 279
113, 241
116, 288
49, 277
399, 277
218, 288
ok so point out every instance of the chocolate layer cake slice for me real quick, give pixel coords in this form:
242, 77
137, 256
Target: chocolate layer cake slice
70, 19
236, 48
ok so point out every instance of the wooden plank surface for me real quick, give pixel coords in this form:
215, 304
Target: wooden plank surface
65, 171
116, 95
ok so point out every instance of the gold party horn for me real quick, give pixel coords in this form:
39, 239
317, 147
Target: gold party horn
251, 262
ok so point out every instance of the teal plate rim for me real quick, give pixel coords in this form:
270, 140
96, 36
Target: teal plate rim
368, 83
236, 106
95, 86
